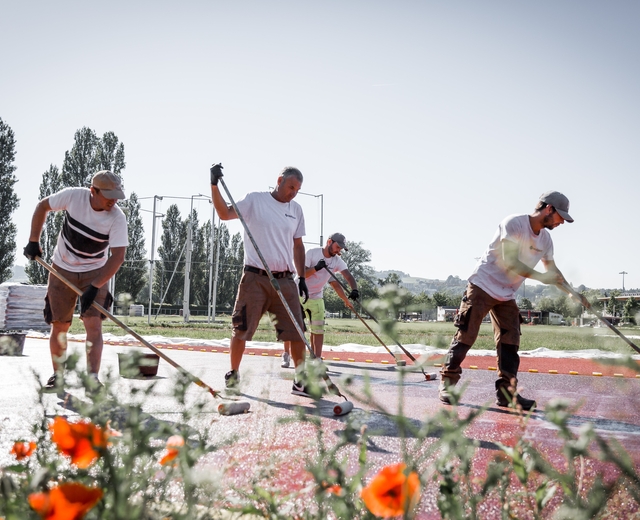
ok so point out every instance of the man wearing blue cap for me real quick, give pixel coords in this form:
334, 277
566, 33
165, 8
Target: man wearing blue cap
520, 242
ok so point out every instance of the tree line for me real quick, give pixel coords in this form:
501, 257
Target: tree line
91, 153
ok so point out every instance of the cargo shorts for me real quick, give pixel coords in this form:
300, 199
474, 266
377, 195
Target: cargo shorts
256, 296
61, 300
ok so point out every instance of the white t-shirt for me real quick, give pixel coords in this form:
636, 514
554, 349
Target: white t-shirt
274, 225
86, 234
317, 281
491, 274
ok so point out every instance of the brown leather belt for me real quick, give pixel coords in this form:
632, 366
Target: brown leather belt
278, 274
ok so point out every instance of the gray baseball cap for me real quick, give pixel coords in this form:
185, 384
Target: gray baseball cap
339, 239
559, 202
109, 184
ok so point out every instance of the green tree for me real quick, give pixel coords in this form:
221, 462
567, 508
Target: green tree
88, 155
391, 279
357, 258
230, 267
525, 303
440, 299
169, 278
613, 306
629, 310
9, 201
48, 238
199, 274
131, 278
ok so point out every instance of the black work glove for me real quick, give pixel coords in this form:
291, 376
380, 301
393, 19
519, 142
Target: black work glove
354, 295
302, 287
216, 174
87, 298
320, 265
32, 250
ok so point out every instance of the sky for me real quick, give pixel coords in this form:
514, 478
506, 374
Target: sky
418, 125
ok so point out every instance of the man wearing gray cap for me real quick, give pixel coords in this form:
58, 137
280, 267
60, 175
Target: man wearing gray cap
520, 242
93, 227
316, 259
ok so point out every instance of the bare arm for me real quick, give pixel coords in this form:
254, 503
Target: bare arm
338, 289
350, 279
225, 211
298, 256
552, 276
39, 217
111, 267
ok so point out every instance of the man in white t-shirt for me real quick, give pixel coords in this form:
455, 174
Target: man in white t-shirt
519, 244
317, 278
276, 223
93, 227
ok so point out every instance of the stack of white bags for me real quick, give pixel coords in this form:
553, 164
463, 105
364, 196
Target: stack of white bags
21, 306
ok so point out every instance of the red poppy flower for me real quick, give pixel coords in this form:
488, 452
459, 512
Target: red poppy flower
174, 443
392, 492
69, 501
78, 440
22, 450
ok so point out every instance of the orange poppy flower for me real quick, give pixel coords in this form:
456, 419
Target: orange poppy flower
22, 450
392, 492
174, 443
69, 501
78, 440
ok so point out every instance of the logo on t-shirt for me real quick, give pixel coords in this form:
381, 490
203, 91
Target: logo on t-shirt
535, 249
290, 216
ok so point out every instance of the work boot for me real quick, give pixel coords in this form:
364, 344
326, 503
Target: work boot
286, 360
231, 379
520, 402
443, 390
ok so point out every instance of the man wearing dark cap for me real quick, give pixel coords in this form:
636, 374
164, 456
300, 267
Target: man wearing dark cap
316, 276
93, 227
520, 242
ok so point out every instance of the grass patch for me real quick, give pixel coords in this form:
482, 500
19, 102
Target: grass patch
342, 331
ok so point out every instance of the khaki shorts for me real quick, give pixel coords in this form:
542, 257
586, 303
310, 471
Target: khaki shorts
61, 301
314, 310
476, 303
256, 296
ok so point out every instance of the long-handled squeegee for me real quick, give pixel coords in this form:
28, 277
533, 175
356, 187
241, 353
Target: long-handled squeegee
428, 377
232, 408
340, 409
567, 288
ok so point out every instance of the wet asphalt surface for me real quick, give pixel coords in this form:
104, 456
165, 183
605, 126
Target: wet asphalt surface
611, 404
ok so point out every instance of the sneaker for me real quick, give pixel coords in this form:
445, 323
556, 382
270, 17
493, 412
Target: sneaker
522, 402
299, 389
286, 360
231, 379
443, 391
52, 385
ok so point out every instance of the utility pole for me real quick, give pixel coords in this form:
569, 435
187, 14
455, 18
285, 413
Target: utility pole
153, 249
623, 273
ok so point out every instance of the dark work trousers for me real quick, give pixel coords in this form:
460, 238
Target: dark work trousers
505, 317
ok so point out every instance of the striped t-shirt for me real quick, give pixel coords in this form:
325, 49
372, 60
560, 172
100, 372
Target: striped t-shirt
86, 234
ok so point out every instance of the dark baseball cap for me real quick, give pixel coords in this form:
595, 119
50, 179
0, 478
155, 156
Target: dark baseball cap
559, 201
339, 239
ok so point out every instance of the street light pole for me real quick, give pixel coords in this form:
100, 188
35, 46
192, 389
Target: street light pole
623, 273
153, 249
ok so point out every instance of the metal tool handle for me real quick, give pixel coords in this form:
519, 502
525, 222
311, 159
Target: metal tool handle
571, 291
104, 311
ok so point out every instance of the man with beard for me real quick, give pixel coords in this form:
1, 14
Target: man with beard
317, 276
520, 242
